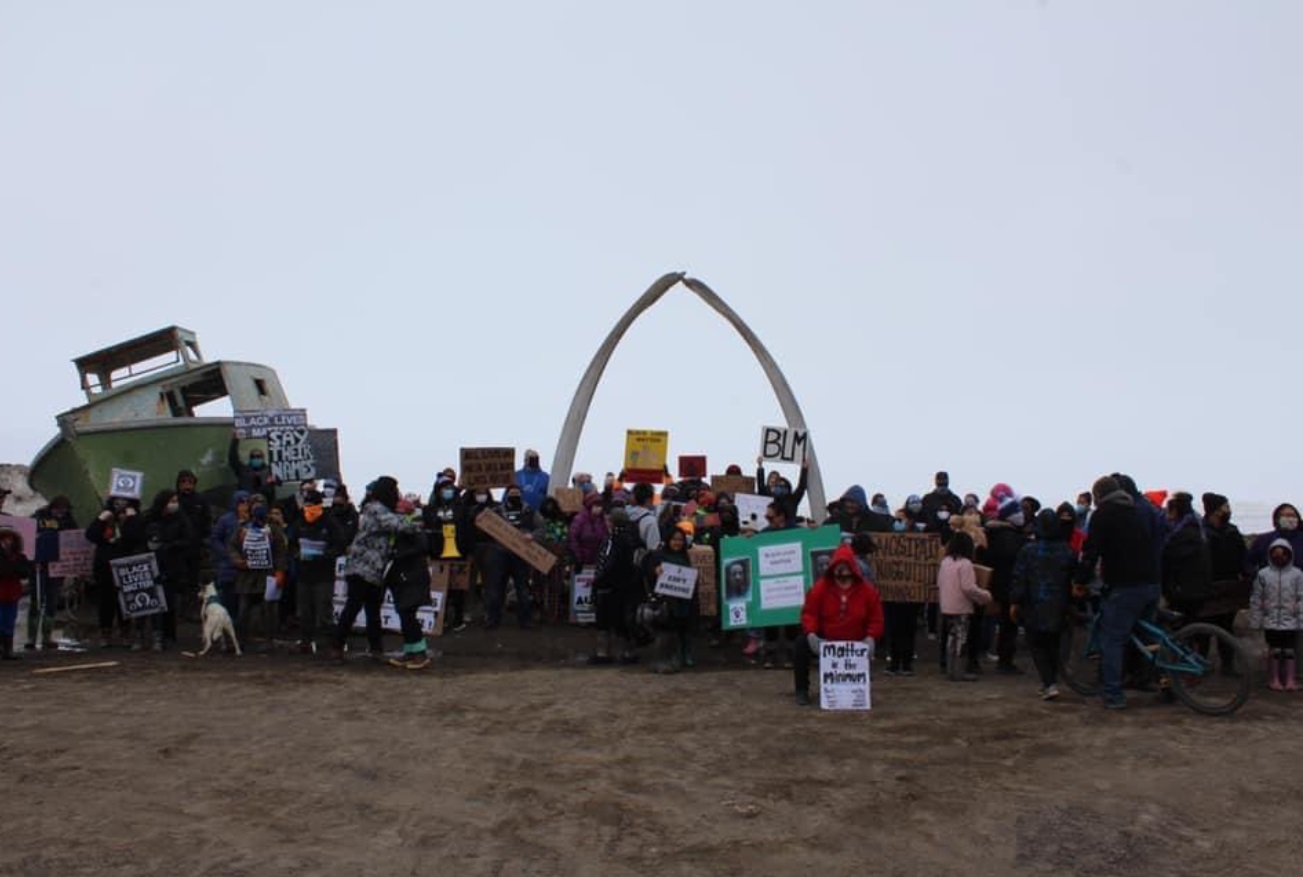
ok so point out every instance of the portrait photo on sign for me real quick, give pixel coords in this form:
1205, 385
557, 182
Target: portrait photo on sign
819, 560
737, 579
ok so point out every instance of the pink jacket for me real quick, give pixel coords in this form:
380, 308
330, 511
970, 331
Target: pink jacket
957, 582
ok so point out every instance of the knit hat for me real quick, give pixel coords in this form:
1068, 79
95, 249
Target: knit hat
1009, 508
619, 516
733, 469
1213, 501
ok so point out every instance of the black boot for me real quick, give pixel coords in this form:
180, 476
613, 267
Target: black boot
7, 648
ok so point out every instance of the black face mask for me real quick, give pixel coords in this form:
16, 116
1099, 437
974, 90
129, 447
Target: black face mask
514, 502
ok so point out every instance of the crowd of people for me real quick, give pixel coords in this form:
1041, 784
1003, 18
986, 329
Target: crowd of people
274, 562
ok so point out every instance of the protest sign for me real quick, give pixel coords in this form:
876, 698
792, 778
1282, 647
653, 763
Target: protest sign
766, 576
136, 578
515, 541
582, 610
289, 454
692, 466
324, 444
783, 444
645, 454
703, 561
26, 530
430, 616
487, 467
676, 581
571, 499
905, 566
257, 423
844, 676
451, 575
76, 553
751, 510
732, 484
126, 483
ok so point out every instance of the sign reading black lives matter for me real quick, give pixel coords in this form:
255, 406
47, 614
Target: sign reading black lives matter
136, 578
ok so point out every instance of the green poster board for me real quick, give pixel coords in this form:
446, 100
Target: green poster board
764, 578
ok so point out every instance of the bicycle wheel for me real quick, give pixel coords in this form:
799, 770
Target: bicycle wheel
1077, 668
1208, 669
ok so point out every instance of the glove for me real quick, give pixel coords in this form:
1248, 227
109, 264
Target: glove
814, 642
280, 579
1014, 613
868, 642
1078, 592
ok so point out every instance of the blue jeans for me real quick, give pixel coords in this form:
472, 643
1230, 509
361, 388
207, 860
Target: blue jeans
1121, 609
8, 615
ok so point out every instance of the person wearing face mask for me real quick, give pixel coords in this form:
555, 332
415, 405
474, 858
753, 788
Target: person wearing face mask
912, 514
252, 476
533, 481
1005, 537
940, 505
520, 515
1227, 552
588, 531
345, 513
483, 551
854, 515
779, 488
445, 525
50, 522
200, 515
218, 540
841, 607
1284, 525
169, 535
117, 532
1187, 564
259, 552
316, 542
1042, 593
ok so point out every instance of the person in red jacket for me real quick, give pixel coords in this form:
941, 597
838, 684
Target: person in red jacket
841, 606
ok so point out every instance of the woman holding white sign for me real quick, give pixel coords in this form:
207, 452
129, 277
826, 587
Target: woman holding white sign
674, 582
842, 606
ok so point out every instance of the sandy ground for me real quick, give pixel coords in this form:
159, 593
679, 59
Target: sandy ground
509, 759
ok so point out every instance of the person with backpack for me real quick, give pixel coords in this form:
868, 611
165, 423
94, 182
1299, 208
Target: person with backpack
617, 589
1041, 593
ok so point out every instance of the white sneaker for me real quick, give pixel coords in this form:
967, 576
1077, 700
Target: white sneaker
1050, 692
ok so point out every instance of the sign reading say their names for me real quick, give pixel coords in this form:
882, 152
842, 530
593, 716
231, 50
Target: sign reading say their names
676, 581
844, 676
136, 578
487, 467
515, 541
783, 444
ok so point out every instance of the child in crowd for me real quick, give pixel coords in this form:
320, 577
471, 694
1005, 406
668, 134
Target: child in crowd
1276, 608
959, 593
1041, 593
15, 569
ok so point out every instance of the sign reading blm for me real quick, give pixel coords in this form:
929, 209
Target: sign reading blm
783, 444
136, 578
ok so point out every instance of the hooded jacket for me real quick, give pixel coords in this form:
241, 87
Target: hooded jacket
1121, 540
14, 569
1277, 599
220, 538
1187, 565
114, 538
1042, 576
587, 532
1257, 556
1004, 541
1227, 550
533, 486
644, 520
444, 518
833, 614
372, 548
867, 521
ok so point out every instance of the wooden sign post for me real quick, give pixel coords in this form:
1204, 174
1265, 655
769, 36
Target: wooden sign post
514, 541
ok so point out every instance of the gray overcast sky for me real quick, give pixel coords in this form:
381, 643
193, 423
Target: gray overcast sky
1024, 241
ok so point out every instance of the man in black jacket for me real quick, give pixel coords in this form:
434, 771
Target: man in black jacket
1227, 549
940, 504
1121, 540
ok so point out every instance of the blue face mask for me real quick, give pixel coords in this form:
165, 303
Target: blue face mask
257, 462
898, 526
1081, 510
779, 490
446, 494
587, 487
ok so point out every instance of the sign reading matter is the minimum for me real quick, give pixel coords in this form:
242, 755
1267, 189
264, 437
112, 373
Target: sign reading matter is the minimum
844, 676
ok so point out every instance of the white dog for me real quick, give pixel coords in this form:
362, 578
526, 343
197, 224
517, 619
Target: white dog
216, 620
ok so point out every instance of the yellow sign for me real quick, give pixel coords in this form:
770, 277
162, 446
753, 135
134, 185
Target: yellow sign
645, 452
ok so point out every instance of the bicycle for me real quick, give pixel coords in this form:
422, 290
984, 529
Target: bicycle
1184, 656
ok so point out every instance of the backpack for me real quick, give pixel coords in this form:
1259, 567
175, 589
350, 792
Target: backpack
616, 558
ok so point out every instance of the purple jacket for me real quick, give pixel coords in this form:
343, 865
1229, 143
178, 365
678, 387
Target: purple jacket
587, 533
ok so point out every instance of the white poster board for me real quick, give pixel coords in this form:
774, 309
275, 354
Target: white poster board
427, 615
751, 511
126, 483
783, 444
844, 676
676, 581
582, 610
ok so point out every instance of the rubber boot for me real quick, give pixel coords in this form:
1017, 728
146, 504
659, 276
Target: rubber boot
7, 648
1287, 673
1273, 673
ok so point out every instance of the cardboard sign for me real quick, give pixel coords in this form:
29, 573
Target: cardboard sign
76, 554
783, 444
126, 483
257, 423
645, 454
582, 610
431, 617
732, 484
905, 566
514, 541
451, 575
136, 578
692, 467
766, 576
751, 510
676, 581
844, 676
571, 499
487, 467
703, 561
26, 530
